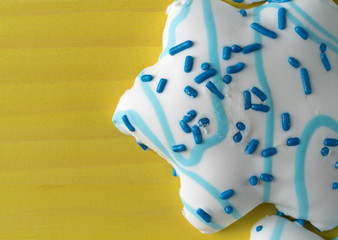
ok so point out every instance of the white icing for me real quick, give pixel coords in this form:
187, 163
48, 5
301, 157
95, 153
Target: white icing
225, 165
275, 227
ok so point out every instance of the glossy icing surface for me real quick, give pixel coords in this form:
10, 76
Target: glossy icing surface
279, 228
191, 118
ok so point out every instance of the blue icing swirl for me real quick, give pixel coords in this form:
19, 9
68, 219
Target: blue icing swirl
278, 229
300, 186
262, 77
222, 122
172, 28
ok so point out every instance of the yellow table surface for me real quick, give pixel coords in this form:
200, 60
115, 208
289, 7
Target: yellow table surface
65, 171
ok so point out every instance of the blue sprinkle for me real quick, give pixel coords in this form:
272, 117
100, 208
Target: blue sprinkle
189, 116
266, 177
127, 123
203, 122
269, 152
300, 221
227, 194
161, 85
259, 93
293, 141
228, 209
325, 151
227, 79
243, 12
322, 47
174, 172
180, 47
205, 216
325, 62
294, 62
226, 53
264, 31
306, 81
259, 228
279, 213
197, 134
205, 66
301, 32
214, 90
191, 92
235, 68
205, 75
260, 107
247, 99
251, 48
235, 48
253, 180
237, 1
179, 148
240, 126
185, 127
286, 123
252, 146
146, 78
281, 18
237, 137
143, 146
335, 186
336, 165
189, 60
330, 142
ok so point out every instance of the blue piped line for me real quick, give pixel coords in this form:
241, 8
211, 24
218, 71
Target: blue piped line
146, 131
314, 37
222, 121
172, 28
142, 126
262, 77
269, 132
313, 22
300, 186
194, 212
278, 229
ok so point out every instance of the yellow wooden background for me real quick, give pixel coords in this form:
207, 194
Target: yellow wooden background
65, 170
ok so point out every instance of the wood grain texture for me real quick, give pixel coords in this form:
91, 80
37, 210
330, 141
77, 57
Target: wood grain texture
65, 170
